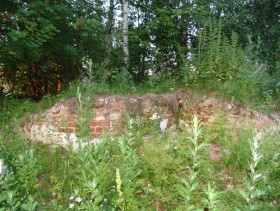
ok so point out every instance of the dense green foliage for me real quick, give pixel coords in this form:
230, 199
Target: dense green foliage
44, 43
140, 169
60, 49
144, 168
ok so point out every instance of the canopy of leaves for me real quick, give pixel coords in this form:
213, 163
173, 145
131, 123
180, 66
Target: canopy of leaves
43, 43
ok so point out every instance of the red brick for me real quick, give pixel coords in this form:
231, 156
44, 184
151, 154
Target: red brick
38, 123
101, 111
120, 104
103, 124
100, 129
66, 129
112, 126
115, 110
71, 119
99, 124
93, 124
96, 135
114, 104
72, 124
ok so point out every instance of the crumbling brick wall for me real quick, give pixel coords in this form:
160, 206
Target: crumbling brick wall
59, 124
107, 113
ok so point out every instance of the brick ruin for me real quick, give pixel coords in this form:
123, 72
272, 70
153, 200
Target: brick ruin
59, 124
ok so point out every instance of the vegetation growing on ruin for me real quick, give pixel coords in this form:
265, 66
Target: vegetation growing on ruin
52, 50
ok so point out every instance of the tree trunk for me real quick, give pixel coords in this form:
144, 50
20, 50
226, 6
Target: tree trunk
125, 34
109, 38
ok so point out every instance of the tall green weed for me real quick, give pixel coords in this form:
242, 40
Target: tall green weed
220, 64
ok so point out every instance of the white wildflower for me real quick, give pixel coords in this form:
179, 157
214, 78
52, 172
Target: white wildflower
166, 147
6, 89
154, 116
2, 167
163, 125
85, 79
71, 206
78, 200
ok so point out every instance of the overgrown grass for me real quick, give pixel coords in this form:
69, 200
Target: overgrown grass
143, 169
220, 64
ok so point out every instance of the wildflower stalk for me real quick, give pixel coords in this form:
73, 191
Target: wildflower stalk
84, 116
79, 95
190, 184
87, 192
196, 146
119, 184
251, 192
90, 73
130, 169
212, 200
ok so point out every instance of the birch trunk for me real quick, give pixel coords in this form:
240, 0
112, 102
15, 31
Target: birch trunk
125, 34
109, 38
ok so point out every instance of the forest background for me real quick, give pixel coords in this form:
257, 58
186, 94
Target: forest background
45, 45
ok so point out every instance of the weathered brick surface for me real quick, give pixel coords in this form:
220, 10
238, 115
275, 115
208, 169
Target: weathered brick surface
109, 112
